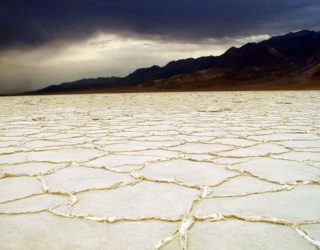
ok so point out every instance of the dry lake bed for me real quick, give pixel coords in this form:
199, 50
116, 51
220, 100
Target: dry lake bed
201, 170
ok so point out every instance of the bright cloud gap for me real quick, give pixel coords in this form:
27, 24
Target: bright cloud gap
100, 56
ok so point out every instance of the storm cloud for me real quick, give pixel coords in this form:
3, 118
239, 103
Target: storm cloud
37, 22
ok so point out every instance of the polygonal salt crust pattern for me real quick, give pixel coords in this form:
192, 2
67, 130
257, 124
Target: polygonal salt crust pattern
287, 205
185, 171
31, 169
52, 232
235, 234
143, 199
80, 179
283, 171
18, 187
244, 185
33, 204
202, 170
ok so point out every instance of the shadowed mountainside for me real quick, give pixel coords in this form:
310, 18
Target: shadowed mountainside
291, 61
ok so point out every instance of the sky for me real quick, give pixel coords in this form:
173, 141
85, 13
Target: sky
44, 42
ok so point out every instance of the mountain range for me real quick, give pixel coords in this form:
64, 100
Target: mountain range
290, 61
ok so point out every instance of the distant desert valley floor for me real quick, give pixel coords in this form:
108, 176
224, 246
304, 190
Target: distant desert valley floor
200, 170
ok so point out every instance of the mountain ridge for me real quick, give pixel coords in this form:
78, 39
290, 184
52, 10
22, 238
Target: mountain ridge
275, 63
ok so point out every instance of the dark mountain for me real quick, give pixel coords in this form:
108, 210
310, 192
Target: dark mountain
140, 76
291, 61
84, 84
172, 68
283, 54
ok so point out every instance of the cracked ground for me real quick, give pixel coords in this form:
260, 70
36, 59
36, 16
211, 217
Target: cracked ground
219, 170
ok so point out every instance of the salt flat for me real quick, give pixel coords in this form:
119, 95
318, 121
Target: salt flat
220, 170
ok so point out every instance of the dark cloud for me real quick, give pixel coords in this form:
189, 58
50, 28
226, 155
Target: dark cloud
38, 22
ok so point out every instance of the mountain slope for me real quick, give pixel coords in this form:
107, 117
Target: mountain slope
291, 61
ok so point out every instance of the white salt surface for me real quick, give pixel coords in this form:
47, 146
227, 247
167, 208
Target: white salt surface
216, 170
